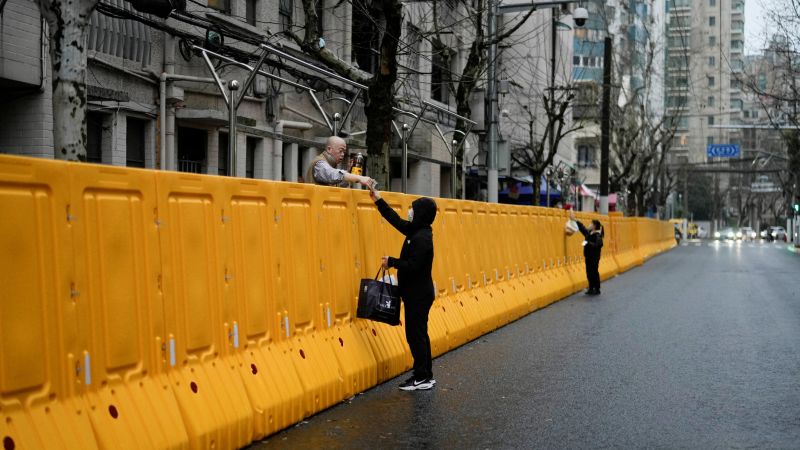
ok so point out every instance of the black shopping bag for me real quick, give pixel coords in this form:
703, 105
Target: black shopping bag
379, 301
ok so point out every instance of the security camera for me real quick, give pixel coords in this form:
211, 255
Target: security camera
579, 16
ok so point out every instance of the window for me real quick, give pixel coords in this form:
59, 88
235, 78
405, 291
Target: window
712, 61
712, 21
585, 156
677, 101
586, 61
222, 154
440, 74
94, 137
709, 140
366, 37
711, 101
414, 40
118, 37
711, 120
250, 11
711, 81
220, 5
746, 114
285, 10
192, 149
712, 2
712, 41
762, 81
755, 114
250, 165
134, 142
679, 82
576, 60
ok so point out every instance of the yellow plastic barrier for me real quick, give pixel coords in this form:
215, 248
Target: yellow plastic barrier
273, 387
174, 310
195, 283
43, 350
117, 261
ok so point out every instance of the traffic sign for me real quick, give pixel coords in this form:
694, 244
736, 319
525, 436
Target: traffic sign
723, 150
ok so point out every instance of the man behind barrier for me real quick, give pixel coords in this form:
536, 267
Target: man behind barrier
323, 169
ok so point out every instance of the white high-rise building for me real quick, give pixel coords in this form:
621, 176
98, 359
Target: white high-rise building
705, 45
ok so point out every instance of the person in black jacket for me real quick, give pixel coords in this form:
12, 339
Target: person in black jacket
591, 252
415, 282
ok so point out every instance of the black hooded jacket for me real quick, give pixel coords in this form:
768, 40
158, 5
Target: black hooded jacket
416, 258
594, 242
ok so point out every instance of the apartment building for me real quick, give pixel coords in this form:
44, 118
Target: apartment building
705, 45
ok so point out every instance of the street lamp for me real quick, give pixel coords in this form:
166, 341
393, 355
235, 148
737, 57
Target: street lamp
495, 9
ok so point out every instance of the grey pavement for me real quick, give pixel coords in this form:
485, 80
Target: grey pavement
698, 348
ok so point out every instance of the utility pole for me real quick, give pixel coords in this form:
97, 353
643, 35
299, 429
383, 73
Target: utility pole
553, 37
605, 125
686, 193
491, 102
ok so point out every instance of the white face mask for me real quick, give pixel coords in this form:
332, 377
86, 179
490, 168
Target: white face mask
410, 214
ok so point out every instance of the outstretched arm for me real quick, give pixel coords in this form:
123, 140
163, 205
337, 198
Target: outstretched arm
582, 229
389, 214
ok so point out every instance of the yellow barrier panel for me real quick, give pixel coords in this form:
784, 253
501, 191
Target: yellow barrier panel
266, 370
176, 310
448, 276
211, 396
43, 353
340, 271
299, 296
117, 261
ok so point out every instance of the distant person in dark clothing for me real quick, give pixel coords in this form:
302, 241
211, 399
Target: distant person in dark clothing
591, 252
415, 282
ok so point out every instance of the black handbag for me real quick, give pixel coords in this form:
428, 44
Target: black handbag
379, 301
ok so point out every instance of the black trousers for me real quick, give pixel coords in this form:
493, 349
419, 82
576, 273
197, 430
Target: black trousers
416, 311
593, 272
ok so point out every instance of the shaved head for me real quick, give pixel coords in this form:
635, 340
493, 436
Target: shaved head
336, 147
334, 141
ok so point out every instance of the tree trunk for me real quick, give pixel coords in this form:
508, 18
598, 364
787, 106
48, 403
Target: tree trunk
68, 22
380, 98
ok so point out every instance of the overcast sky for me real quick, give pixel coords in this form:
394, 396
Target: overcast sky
754, 22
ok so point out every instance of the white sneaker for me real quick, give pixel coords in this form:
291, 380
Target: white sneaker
417, 385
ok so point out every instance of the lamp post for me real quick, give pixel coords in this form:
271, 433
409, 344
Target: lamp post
495, 8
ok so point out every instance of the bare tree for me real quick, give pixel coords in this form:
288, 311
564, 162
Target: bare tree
641, 136
538, 154
68, 24
381, 84
774, 85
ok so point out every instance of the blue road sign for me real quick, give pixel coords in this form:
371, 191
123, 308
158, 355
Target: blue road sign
722, 150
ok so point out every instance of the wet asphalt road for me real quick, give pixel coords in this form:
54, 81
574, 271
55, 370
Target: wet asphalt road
698, 348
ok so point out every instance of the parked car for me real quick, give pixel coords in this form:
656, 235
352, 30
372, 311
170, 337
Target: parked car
748, 234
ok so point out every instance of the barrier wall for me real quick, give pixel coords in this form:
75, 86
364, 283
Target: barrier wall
147, 309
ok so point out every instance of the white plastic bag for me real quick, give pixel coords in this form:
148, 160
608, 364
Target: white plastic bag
571, 227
